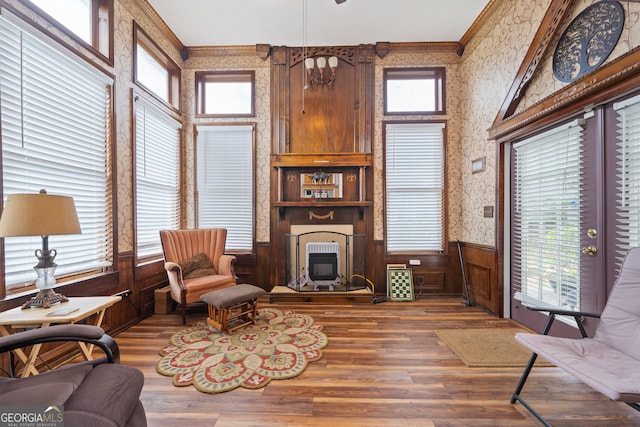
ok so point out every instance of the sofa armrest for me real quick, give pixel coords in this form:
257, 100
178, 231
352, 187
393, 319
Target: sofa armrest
58, 333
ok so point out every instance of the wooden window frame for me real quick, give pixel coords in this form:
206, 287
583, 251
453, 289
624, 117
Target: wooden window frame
228, 77
142, 39
422, 73
101, 28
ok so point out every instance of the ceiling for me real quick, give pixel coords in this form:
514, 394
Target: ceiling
282, 22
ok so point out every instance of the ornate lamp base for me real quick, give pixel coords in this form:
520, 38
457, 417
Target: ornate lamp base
45, 299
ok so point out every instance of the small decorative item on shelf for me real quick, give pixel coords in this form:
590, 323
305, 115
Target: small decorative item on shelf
319, 178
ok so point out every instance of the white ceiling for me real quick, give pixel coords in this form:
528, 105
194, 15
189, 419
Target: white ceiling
281, 22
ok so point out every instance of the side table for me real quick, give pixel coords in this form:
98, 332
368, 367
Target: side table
75, 310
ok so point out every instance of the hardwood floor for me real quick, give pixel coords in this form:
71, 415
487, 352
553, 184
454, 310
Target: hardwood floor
384, 366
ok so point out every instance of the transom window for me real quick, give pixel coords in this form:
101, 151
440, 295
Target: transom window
228, 93
88, 20
414, 91
154, 70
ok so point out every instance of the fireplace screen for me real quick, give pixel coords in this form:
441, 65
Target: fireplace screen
326, 261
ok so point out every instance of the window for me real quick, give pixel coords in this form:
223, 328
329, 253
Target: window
547, 213
87, 20
157, 139
414, 165
55, 114
229, 93
154, 70
226, 182
414, 91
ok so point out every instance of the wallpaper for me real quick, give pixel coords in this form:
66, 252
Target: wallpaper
125, 12
450, 61
490, 63
476, 86
544, 84
261, 119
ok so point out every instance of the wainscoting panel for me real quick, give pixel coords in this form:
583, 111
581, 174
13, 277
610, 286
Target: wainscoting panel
481, 272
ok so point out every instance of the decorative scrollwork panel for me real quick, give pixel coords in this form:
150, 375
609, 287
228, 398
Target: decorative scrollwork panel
588, 40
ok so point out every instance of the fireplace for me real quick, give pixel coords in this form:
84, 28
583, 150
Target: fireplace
322, 264
325, 261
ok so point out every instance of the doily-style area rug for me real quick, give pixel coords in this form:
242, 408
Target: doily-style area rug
279, 346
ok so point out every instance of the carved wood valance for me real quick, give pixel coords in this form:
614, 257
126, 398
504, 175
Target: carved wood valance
346, 54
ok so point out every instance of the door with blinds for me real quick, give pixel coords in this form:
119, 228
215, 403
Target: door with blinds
555, 221
575, 210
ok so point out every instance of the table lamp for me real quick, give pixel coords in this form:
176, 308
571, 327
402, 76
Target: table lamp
40, 215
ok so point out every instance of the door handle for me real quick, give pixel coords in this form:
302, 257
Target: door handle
590, 250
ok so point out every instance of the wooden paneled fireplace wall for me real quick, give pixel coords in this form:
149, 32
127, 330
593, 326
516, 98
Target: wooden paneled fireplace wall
325, 131
322, 131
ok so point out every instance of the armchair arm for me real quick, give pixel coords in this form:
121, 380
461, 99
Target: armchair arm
174, 273
68, 332
561, 312
553, 312
173, 267
226, 265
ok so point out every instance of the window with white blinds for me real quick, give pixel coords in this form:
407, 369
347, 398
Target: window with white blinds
414, 165
547, 210
225, 182
55, 113
628, 176
157, 177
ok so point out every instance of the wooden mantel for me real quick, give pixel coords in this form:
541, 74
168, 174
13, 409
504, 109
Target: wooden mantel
318, 160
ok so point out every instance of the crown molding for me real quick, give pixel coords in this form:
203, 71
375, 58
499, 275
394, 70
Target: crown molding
162, 26
480, 21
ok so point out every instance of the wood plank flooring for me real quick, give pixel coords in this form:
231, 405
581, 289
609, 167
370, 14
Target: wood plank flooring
384, 366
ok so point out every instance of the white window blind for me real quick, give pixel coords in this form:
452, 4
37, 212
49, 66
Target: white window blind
225, 182
414, 186
157, 177
628, 175
55, 117
546, 217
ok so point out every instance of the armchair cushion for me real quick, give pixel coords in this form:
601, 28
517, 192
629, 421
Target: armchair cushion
95, 393
198, 266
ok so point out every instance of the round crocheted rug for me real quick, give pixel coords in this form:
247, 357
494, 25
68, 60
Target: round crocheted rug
279, 346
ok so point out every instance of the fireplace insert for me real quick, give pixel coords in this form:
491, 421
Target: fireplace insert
323, 266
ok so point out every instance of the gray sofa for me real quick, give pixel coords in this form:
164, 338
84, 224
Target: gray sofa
96, 393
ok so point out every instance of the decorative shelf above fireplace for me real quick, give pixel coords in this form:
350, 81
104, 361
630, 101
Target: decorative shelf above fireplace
298, 183
324, 204
321, 160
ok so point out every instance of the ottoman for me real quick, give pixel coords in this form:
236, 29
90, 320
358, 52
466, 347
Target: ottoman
234, 302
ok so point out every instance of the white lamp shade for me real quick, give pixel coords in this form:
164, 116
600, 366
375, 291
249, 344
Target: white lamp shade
322, 62
333, 62
38, 215
308, 63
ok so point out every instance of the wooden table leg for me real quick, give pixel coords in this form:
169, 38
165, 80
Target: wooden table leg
87, 349
29, 361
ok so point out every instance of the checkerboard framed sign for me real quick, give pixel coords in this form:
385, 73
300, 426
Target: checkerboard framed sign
399, 283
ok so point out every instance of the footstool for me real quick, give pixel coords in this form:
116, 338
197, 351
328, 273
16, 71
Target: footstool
239, 301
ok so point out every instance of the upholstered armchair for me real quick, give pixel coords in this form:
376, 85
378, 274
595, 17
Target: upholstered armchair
98, 393
196, 264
